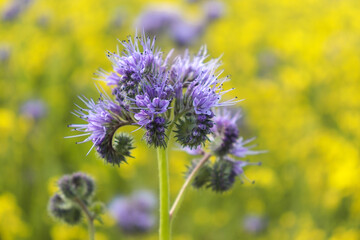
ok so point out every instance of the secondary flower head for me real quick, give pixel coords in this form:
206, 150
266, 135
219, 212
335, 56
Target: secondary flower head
75, 194
35, 109
227, 146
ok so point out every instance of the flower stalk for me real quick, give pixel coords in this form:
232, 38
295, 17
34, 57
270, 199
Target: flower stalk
89, 217
164, 227
176, 205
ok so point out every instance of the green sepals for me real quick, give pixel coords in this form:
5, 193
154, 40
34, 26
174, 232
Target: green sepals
184, 131
222, 176
123, 144
115, 151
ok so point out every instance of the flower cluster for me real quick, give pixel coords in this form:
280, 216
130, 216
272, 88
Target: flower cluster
75, 195
134, 214
169, 21
155, 95
226, 145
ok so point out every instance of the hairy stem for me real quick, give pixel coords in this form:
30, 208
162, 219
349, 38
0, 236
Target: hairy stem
180, 196
164, 227
89, 218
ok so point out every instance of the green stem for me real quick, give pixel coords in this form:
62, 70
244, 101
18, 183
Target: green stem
164, 227
89, 218
181, 194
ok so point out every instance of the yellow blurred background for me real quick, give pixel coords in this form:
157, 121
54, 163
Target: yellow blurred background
297, 64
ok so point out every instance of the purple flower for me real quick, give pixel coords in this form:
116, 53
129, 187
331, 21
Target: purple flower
155, 20
143, 117
158, 106
213, 10
4, 53
155, 134
13, 10
134, 214
138, 64
239, 150
201, 81
226, 139
35, 109
153, 95
194, 151
184, 33
254, 223
226, 129
238, 168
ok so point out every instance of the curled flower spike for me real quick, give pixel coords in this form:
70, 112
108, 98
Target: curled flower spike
192, 130
103, 119
222, 176
225, 145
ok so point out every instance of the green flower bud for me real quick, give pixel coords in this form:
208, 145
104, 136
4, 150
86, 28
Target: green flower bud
64, 210
222, 176
78, 185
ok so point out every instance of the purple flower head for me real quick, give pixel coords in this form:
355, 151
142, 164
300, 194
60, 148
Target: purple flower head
157, 19
194, 151
205, 93
4, 53
134, 214
240, 150
200, 79
186, 69
137, 64
158, 106
155, 132
238, 169
225, 131
35, 109
143, 117
254, 223
154, 106
184, 33
15, 9
103, 118
213, 10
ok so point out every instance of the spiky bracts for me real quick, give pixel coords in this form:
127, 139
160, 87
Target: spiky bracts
193, 130
220, 175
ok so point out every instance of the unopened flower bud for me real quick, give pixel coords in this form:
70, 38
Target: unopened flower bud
222, 176
64, 210
78, 185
